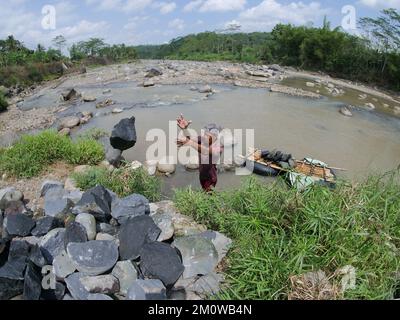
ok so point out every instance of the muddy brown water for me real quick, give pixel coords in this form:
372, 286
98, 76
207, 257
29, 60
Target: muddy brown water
367, 142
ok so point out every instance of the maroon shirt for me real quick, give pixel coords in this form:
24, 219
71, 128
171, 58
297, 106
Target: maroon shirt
208, 164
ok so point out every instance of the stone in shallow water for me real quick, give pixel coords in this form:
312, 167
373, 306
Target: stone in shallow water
134, 234
93, 257
132, 206
52, 244
45, 225
107, 284
89, 223
147, 290
123, 136
199, 255
75, 232
32, 283
96, 201
19, 224
161, 261
126, 274
164, 222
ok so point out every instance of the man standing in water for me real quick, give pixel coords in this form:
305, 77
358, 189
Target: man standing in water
209, 148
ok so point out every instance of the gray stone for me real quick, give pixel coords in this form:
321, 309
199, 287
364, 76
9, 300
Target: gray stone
346, 112
74, 232
98, 297
32, 283
94, 257
55, 205
132, 206
107, 284
88, 221
107, 228
19, 224
36, 257
50, 185
113, 156
57, 294
154, 257
164, 222
154, 72
18, 248
208, 285
63, 266
52, 244
206, 89
75, 286
96, 201
147, 290
14, 269
75, 196
106, 237
126, 274
134, 234
221, 243
9, 195
199, 255
45, 225
69, 122
10, 288
123, 136
69, 94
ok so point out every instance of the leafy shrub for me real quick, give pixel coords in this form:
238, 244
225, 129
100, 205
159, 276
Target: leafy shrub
32, 154
3, 102
123, 181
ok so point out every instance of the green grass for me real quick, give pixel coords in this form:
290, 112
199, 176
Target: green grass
94, 134
3, 102
279, 233
32, 154
122, 181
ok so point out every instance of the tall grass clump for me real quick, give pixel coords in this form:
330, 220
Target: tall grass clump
122, 181
32, 154
3, 102
279, 233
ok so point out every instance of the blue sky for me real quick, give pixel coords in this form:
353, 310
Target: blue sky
158, 21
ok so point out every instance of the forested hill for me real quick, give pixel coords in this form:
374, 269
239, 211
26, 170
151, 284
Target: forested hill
373, 59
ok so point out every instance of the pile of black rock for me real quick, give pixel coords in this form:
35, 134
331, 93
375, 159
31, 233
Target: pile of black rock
94, 245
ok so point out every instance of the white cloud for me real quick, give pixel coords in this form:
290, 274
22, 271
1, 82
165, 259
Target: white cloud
165, 7
381, 3
215, 5
120, 5
271, 12
177, 24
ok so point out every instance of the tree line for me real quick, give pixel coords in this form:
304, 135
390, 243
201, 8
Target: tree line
372, 57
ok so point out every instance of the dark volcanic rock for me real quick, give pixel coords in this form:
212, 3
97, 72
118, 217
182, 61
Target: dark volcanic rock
123, 136
154, 72
93, 257
134, 234
132, 206
52, 244
14, 269
18, 248
32, 283
36, 256
154, 258
56, 294
45, 225
10, 288
96, 201
74, 232
147, 290
56, 204
19, 224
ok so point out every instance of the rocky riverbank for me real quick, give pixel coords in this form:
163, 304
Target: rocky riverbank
94, 245
157, 73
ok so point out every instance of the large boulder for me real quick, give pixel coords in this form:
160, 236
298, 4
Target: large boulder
8, 196
123, 136
154, 72
147, 290
93, 257
89, 223
132, 206
134, 233
18, 224
198, 254
153, 259
97, 202
52, 244
126, 274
